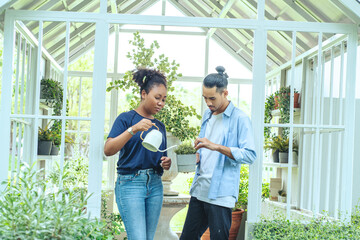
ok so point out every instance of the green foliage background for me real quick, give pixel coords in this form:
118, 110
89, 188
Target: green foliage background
175, 115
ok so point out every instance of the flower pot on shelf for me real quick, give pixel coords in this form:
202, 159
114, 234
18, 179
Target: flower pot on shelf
275, 156
282, 199
276, 98
283, 157
44, 147
236, 217
296, 100
54, 150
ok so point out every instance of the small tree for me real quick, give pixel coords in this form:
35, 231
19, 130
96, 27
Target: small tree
175, 114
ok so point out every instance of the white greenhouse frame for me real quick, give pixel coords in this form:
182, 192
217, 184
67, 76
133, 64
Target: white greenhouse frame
260, 26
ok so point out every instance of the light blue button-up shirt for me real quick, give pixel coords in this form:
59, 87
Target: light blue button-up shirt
238, 136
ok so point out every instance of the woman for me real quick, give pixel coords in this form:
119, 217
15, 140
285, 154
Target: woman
139, 190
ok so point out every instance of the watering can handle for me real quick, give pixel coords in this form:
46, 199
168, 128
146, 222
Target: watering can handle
146, 130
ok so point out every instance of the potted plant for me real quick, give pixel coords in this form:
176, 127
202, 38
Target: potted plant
186, 157
280, 148
44, 141
282, 196
55, 137
52, 93
269, 107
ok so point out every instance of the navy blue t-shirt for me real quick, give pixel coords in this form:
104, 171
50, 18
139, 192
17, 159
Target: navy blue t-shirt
133, 156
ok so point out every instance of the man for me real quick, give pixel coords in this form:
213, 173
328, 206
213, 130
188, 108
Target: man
225, 142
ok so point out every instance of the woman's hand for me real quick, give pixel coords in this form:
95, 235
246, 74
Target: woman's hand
165, 162
143, 125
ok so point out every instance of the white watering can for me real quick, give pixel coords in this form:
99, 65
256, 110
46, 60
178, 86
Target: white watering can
153, 140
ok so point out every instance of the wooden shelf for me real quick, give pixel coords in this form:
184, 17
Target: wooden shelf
279, 165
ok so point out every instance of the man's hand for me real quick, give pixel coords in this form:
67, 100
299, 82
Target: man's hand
205, 143
197, 157
165, 163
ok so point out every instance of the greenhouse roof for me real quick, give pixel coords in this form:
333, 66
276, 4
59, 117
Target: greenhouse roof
238, 42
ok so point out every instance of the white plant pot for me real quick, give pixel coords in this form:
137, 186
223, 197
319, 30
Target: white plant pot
186, 162
282, 199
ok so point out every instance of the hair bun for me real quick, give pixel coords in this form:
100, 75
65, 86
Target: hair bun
221, 70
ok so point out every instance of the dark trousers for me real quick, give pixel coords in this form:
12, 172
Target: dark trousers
202, 215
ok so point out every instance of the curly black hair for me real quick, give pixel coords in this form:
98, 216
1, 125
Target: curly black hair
148, 78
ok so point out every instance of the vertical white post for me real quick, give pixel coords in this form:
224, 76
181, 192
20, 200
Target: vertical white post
328, 161
291, 134
311, 160
113, 113
257, 116
63, 110
206, 70
316, 188
348, 153
37, 92
5, 109
340, 135
97, 117
303, 140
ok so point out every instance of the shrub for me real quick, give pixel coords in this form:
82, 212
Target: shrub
244, 189
317, 228
175, 115
30, 209
185, 148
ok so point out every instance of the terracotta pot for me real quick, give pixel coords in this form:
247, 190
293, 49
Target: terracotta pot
236, 217
276, 98
296, 100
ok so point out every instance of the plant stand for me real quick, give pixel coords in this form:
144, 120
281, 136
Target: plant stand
171, 205
170, 174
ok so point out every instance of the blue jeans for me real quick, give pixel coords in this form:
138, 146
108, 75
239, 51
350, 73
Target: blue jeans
139, 198
202, 215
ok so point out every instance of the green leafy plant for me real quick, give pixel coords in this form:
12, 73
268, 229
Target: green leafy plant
317, 228
280, 143
114, 224
269, 106
244, 189
175, 115
55, 136
282, 193
284, 107
44, 134
30, 208
74, 175
52, 92
185, 148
